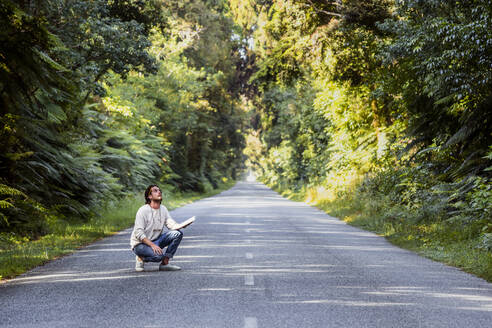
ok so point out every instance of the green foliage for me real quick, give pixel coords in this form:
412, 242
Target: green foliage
448, 45
148, 13
37, 100
443, 51
16, 208
474, 208
190, 109
99, 37
100, 98
389, 88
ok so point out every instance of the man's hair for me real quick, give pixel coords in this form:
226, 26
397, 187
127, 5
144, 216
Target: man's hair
147, 193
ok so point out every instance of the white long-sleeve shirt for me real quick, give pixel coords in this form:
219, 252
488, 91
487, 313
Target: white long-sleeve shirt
149, 223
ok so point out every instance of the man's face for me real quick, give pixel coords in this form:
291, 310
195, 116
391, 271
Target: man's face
155, 194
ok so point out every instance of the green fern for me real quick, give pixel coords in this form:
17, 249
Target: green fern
6, 190
6, 203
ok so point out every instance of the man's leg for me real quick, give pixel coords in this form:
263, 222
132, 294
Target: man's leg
171, 239
147, 254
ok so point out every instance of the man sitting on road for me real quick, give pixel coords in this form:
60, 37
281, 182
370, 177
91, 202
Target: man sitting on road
148, 238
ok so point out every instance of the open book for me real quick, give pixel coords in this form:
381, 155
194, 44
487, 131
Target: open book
186, 223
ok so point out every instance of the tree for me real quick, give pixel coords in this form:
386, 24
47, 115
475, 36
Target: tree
443, 50
51, 62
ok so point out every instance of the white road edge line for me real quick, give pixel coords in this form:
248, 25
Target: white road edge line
250, 322
249, 280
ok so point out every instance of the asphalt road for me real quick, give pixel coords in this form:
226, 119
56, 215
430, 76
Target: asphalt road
252, 259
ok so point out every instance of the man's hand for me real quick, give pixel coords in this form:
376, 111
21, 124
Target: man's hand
156, 249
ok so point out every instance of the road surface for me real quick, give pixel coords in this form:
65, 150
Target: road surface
252, 259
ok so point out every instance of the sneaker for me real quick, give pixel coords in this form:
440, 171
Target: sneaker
168, 267
139, 264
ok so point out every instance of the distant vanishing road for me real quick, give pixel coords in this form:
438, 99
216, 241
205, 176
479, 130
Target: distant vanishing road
252, 259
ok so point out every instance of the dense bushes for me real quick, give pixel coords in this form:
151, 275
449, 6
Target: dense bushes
101, 98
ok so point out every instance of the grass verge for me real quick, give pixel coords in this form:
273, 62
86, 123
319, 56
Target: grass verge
18, 256
455, 245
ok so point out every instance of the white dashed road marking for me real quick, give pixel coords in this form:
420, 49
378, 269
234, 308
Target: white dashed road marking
250, 322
